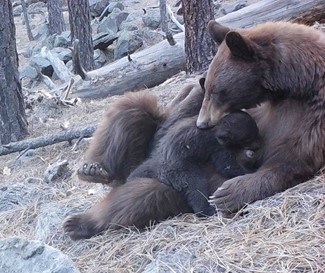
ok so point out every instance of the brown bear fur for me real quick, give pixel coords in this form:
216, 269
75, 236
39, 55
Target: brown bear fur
282, 67
113, 154
144, 200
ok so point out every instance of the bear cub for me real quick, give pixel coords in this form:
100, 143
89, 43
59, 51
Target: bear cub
179, 158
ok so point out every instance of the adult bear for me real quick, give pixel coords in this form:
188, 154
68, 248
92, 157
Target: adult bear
119, 145
282, 67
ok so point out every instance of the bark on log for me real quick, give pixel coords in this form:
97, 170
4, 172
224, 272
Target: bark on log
42, 141
155, 64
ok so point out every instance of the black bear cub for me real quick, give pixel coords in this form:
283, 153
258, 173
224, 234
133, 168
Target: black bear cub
180, 156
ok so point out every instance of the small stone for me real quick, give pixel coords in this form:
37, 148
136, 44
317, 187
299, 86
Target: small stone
57, 170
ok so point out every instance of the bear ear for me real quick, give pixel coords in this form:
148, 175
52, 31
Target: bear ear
239, 45
218, 32
202, 82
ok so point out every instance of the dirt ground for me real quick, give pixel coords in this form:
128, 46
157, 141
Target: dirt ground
284, 233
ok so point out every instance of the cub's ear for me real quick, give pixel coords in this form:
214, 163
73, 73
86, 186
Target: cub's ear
240, 46
202, 82
218, 32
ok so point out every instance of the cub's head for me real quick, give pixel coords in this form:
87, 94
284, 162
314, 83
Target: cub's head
234, 78
238, 132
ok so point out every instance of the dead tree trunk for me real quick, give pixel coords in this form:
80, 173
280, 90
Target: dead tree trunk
199, 47
79, 18
56, 21
13, 124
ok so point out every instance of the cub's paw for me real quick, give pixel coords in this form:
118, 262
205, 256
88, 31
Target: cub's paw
93, 172
233, 194
209, 210
78, 227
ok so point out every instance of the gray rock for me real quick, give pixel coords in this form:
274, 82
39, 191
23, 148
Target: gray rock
38, 7
42, 33
38, 62
132, 22
173, 261
62, 40
114, 5
20, 255
69, 65
64, 54
150, 37
99, 58
113, 21
152, 19
57, 170
128, 42
111, 7
233, 7
28, 72
20, 195
97, 7
50, 219
104, 39
17, 11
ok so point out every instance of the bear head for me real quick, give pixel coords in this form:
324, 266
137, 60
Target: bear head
234, 79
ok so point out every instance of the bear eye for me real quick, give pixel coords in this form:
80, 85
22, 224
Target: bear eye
249, 153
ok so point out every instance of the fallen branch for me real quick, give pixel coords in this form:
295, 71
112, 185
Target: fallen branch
172, 17
155, 64
42, 141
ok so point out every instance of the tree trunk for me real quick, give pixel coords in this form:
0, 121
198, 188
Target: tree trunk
13, 124
29, 31
79, 17
56, 21
199, 47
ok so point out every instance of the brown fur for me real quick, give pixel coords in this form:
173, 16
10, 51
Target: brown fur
130, 204
281, 65
122, 139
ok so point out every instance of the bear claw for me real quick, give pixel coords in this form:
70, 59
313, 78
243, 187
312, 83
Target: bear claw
93, 172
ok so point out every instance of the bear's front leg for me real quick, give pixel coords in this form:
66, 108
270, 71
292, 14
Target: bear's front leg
242, 190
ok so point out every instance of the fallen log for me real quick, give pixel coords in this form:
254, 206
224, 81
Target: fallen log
155, 64
33, 143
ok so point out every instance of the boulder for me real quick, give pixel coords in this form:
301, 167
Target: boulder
128, 42
17, 11
104, 39
64, 54
99, 58
38, 62
113, 21
28, 72
97, 7
29, 256
132, 22
152, 19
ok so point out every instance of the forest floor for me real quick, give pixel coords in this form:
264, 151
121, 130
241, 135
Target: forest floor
283, 233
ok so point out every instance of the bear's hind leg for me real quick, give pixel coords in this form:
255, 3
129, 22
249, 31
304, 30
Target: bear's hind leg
138, 203
93, 172
122, 140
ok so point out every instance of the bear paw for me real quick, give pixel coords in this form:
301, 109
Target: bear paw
78, 227
93, 172
233, 194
